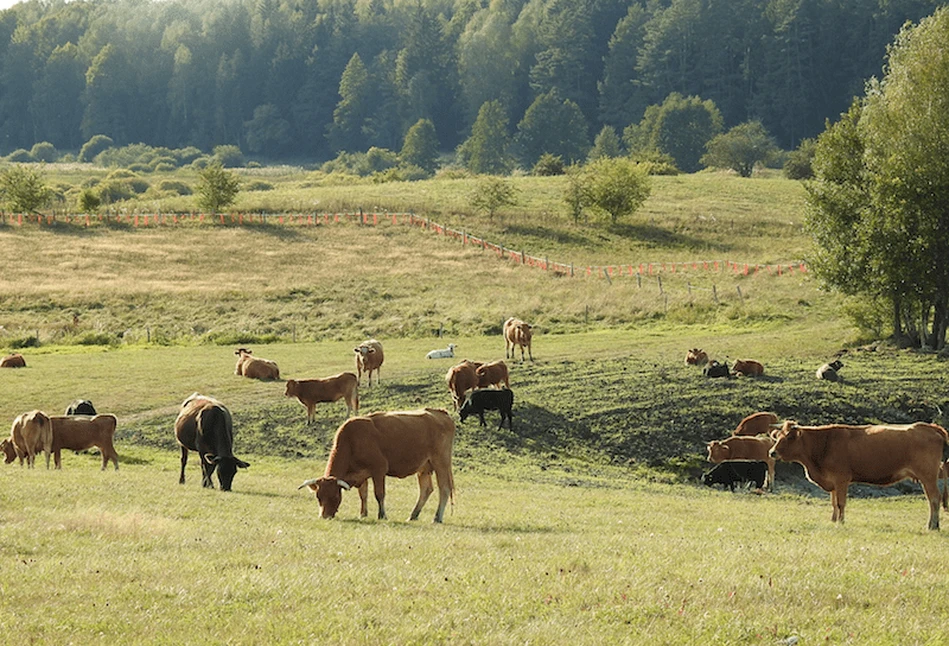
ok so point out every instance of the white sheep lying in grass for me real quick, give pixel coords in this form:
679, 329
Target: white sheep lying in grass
442, 353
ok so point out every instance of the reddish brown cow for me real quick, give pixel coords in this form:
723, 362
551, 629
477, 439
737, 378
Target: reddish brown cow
517, 333
255, 367
748, 368
81, 432
835, 455
757, 424
369, 358
743, 448
493, 374
30, 433
696, 357
461, 378
395, 444
13, 361
311, 392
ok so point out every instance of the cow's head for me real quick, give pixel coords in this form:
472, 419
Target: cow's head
786, 441
836, 364
226, 468
465, 411
242, 351
9, 451
291, 388
717, 452
329, 493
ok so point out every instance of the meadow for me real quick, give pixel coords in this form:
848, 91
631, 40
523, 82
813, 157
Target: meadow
582, 524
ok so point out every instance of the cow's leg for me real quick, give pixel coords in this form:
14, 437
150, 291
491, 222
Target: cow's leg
57, 459
529, 352
945, 494
443, 475
425, 490
481, 417
770, 462
310, 412
363, 497
184, 462
840, 502
207, 470
379, 489
931, 487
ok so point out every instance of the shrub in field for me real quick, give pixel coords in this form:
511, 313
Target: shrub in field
229, 156
174, 186
43, 151
258, 185
217, 188
24, 189
239, 338
548, 165
93, 147
20, 156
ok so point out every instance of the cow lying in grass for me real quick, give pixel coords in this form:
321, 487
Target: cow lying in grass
255, 367
442, 353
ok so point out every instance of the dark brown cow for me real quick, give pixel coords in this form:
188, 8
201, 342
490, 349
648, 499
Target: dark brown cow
835, 455
81, 432
204, 425
13, 361
461, 378
395, 444
369, 358
748, 368
517, 333
743, 448
494, 373
757, 424
311, 392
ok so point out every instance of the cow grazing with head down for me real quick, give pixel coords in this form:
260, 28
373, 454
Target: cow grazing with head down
494, 374
732, 472
395, 444
15, 360
254, 367
482, 399
81, 432
517, 333
369, 358
81, 407
757, 424
30, 433
696, 357
204, 425
461, 378
748, 368
743, 448
831, 371
835, 455
311, 392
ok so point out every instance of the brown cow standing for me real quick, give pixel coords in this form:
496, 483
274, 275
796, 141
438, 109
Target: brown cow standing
835, 455
30, 433
395, 444
461, 378
748, 368
494, 373
81, 432
369, 358
255, 367
13, 361
517, 333
311, 392
757, 424
743, 448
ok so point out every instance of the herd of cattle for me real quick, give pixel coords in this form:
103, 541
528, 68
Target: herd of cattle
419, 442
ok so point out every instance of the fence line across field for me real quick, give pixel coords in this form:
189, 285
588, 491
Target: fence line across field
607, 272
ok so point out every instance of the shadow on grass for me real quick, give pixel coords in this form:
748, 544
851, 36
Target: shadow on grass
661, 237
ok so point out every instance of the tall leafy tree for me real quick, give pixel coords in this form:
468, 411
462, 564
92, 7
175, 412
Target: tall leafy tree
353, 109
486, 150
552, 125
267, 133
105, 97
421, 146
606, 144
487, 62
680, 127
56, 104
620, 97
740, 149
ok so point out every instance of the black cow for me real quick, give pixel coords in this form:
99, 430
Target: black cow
829, 371
483, 399
204, 425
716, 369
732, 472
81, 407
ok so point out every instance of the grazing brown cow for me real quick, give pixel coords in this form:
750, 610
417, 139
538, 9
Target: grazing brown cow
369, 358
517, 333
493, 374
30, 433
461, 378
13, 361
743, 448
835, 455
757, 424
395, 444
204, 425
311, 392
255, 367
696, 357
748, 368
81, 432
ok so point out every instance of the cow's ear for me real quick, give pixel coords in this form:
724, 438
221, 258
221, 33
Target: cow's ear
241, 464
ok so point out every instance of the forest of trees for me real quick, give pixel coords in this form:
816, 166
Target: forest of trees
311, 78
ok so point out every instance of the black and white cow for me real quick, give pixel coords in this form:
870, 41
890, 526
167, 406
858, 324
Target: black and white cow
482, 399
81, 407
829, 371
205, 425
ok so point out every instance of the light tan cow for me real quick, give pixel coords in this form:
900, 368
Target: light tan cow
30, 433
517, 333
255, 367
369, 358
311, 392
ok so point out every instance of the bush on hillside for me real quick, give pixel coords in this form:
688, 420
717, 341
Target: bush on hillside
20, 156
43, 152
93, 147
